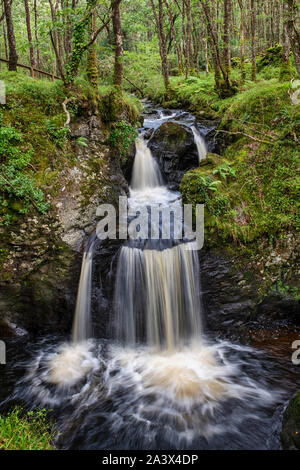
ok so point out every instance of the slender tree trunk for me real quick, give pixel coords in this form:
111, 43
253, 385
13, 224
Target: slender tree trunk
29, 35
293, 33
159, 20
189, 34
92, 63
5, 36
13, 56
226, 35
206, 55
178, 52
253, 42
214, 42
119, 52
36, 33
243, 69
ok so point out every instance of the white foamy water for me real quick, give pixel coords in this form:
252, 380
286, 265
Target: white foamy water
199, 390
70, 364
200, 143
81, 324
156, 121
145, 173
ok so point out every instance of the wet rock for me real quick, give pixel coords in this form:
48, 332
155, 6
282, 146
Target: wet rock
290, 435
39, 279
232, 303
173, 146
226, 301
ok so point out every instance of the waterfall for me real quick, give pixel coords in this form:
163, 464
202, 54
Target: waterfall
156, 297
156, 293
199, 141
146, 173
81, 323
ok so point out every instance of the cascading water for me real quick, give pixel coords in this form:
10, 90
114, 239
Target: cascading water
159, 383
156, 289
82, 325
156, 296
200, 144
145, 172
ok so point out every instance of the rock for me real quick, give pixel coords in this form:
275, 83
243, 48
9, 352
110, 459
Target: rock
40, 274
290, 434
212, 160
173, 146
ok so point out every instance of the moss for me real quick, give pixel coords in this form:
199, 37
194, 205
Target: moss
286, 71
172, 134
290, 435
273, 56
116, 105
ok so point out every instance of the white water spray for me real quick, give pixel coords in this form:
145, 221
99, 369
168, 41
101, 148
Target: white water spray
146, 173
200, 143
81, 324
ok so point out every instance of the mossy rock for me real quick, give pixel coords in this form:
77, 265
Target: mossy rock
212, 160
273, 56
290, 435
192, 189
172, 134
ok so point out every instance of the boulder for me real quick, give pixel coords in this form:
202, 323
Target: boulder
173, 146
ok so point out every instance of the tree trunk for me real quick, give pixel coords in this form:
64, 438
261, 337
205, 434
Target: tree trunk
13, 56
92, 63
5, 36
253, 48
118, 40
293, 33
36, 32
159, 20
226, 35
189, 34
243, 69
178, 52
29, 35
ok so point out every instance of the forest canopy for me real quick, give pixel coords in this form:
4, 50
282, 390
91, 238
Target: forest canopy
65, 38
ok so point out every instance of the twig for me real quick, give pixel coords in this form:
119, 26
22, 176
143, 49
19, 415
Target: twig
64, 105
135, 86
247, 135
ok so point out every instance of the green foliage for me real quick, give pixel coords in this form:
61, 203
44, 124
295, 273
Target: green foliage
273, 56
57, 133
225, 171
122, 136
116, 105
17, 182
287, 290
43, 95
29, 430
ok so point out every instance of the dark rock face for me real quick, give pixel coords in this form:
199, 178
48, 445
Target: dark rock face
231, 304
227, 297
173, 146
290, 435
38, 286
105, 263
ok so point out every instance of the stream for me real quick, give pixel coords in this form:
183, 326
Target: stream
161, 380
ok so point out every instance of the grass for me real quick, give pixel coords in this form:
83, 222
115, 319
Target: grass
29, 430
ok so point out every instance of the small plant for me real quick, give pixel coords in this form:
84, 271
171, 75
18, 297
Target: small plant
122, 136
58, 134
225, 171
29, 430
19, 191
82, 141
